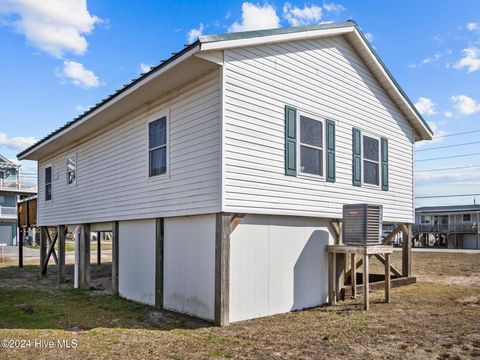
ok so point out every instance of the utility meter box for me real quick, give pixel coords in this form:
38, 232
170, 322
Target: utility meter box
362, 224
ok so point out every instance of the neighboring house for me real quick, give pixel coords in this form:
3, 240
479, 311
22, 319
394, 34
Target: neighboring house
455, 227
220, 169
10, 192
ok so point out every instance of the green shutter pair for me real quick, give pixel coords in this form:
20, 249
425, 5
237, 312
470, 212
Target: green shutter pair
357, 159
291, 145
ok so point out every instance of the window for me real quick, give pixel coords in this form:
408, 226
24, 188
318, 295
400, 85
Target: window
72, 169
157, 146
425, 219
311, 146
467, 217
48, 183
371, 159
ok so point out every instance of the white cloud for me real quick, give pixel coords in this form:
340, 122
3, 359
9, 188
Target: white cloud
81, 108
193, 34
427, 60
448, 114
16, 143
434, 58
369, 37
465, 104
144, 68
332, 7
472, 26
471, 60
78, 75
54, 26
302, 16
256, 17
438, 135
425, 106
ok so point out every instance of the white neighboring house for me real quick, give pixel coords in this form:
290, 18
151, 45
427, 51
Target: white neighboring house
220, 169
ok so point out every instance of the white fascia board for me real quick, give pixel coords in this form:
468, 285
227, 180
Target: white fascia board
117, 98
270, 39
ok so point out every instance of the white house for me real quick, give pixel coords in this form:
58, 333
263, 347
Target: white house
220, 169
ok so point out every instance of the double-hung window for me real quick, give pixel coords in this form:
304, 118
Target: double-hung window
72, 169
371, 160
311, 146
48, 183
157, 147
467, 217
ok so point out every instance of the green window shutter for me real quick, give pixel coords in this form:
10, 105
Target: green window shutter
384, 151
330, 150
290, 141
357, 157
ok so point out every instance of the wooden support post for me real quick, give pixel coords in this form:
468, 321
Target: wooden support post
353, 275
407, 250
340, 260
331, 279
387, 278
222, 269
99, 249
159, 262
84, 263
43, 250
115, 257
61, 231
20, 247
366, 284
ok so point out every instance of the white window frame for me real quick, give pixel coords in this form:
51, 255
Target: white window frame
466, 222
45, 183
379, 161
76, 172
150, 119
320, 119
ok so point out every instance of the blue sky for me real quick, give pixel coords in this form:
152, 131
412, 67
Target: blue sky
60, 57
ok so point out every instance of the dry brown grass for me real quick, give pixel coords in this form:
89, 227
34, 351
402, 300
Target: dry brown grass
437, 318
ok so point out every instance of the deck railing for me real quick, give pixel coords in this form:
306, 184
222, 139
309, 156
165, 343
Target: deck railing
13, 184
470, 228
8, 212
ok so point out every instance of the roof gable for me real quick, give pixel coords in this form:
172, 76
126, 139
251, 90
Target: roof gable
206, 44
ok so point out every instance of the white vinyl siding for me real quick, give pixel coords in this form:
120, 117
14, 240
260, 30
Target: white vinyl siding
321, 76
113, 181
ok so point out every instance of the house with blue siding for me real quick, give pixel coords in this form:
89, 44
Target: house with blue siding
10, 192
223, 171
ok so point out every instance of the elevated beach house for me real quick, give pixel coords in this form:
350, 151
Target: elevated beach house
454, 226
222, 172
11, 190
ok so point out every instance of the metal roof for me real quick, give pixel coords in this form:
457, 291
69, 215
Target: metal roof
111, 97
445, 209
204, 39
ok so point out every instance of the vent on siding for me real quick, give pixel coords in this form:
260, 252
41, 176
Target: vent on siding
362, 224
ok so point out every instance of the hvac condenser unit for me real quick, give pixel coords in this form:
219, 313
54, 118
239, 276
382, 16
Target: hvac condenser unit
362, 224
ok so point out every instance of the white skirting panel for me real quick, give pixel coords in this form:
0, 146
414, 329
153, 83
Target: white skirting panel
470, 241
136, 252
189, 265
277, 264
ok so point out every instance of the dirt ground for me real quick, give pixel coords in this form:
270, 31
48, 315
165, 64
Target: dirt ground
437, 318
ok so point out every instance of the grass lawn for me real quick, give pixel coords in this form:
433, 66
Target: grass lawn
437, 318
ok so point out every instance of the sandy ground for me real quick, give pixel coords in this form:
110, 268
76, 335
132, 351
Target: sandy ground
437, 318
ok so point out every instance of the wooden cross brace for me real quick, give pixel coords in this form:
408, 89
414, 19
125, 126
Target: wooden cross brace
51, 251
386, 241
